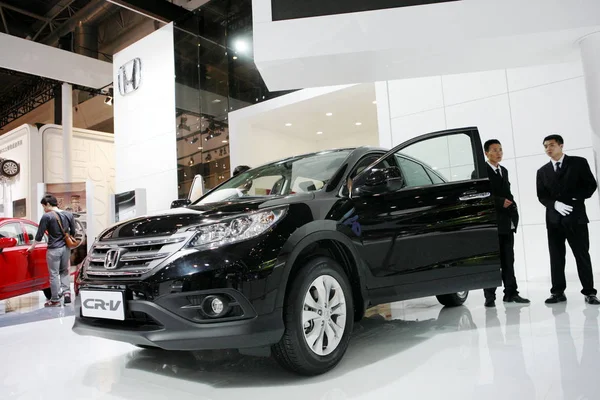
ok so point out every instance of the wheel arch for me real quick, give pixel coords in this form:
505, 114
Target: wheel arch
322, 239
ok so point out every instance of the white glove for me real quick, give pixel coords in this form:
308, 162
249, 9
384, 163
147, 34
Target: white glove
562, 208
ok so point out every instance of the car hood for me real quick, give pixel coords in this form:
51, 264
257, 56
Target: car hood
169, 222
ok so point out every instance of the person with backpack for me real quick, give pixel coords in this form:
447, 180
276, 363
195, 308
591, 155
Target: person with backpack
59, 225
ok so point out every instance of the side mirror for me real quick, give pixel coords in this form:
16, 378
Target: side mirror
6, 243
180, 203
377, 181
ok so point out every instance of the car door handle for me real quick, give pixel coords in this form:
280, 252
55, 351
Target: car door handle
474, 195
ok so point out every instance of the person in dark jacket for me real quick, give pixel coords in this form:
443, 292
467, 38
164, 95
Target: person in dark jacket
58, 253
508, 220
563, 185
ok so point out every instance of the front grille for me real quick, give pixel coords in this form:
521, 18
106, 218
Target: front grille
137, 256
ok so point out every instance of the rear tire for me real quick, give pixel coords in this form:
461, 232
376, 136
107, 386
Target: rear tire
453, 299
47, 293
318, 317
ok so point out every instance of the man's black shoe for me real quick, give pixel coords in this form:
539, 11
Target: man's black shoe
592, 300
516, 299
556, 298
490, 303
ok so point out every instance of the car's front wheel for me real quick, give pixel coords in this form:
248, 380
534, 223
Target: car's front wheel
318, 318
453, 299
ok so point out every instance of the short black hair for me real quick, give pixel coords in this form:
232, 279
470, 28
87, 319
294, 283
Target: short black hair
239, 169
489, 144
49, 199
556, 137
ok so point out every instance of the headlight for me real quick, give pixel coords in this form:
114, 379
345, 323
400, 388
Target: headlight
237, 229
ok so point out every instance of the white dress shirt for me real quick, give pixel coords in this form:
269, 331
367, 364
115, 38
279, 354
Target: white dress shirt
562, 159
496, 169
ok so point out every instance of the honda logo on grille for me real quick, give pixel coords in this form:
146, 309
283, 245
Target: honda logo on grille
111, 261
130, 76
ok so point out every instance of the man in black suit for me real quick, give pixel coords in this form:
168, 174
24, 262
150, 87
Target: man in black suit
563, 185
508, 220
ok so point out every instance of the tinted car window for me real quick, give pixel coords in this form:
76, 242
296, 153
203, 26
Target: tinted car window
13, 231
31, 232
414, 174
301, 174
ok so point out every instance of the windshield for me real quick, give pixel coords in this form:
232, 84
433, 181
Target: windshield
300, 174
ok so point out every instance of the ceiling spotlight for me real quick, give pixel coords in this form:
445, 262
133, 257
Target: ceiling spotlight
216, 101
374, 101
200, 148
224, 141
319, 133
358, 124
288, 124
235, 57
194, 140
241, 46
191, 162
329, 114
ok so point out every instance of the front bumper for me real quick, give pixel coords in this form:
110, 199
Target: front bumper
164, 329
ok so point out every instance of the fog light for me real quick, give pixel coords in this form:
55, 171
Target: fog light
217, 306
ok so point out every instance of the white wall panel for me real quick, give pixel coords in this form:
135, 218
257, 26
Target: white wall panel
491, 116
461, 88
558, 108
405, 128
411, 96
542, 100
145, 123
93, 160
527, 77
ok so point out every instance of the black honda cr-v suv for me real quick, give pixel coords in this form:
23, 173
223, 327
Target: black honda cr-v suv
285, 257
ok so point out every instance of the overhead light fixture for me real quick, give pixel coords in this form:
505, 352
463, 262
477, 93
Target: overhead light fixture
329, 114
319, 133
191, 162
241, 46
108, 100
216, 101
358, 124
200, 148
374, 101
235, 57
288, 124
194, 140
224, 141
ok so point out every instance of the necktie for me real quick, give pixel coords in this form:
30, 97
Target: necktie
558, 167
498, 171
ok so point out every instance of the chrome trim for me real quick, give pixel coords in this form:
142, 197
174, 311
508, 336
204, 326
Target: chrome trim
126, 244
145, 256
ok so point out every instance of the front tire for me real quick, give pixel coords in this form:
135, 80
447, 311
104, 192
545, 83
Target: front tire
318, 318
453, 299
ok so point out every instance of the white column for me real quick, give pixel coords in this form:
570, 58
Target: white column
590, 56
67, 124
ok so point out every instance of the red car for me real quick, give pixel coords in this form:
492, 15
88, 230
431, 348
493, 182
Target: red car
21, 272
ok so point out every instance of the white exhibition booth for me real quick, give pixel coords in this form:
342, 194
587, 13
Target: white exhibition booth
39, 152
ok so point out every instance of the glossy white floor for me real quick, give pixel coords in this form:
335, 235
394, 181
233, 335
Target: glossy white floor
410, 350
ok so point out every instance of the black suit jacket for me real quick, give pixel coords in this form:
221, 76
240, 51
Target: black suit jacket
573, 185
500, 192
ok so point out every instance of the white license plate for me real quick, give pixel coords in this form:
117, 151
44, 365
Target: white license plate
102, 304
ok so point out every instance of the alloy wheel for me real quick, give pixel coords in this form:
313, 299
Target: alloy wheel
324, 315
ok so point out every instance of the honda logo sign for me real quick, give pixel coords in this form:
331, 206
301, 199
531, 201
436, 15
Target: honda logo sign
111, 261
130, 76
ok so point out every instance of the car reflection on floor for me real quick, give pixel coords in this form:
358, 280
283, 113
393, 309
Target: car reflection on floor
374, 339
